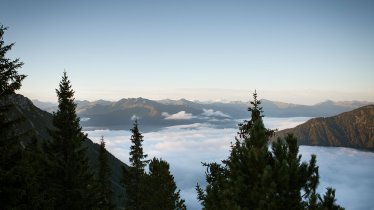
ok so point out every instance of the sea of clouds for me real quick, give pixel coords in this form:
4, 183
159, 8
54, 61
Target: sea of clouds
186, 146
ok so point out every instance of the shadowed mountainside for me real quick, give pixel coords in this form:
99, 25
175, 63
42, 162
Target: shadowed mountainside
353, 129
39, 121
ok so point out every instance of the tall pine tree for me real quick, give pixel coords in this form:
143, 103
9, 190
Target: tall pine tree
20, 183
10, 80
104, 190
254, 177
134, 176
69, 176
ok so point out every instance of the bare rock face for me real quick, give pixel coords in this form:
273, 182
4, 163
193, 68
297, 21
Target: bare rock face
350, 129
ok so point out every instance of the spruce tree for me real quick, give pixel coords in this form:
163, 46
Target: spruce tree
248, 162
254, 177
10, 80
69, 176
20, 175
134, 176
328, 201
105, 201
291, 177
162, 193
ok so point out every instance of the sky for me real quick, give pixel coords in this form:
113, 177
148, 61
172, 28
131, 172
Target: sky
293, 51
184, 147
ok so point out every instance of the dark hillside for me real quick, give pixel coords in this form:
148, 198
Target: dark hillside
350, 129
39, 121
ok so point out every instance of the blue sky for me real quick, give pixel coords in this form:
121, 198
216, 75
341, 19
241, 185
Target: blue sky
293, 51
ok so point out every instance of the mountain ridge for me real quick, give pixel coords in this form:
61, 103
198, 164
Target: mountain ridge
156, 113
354, 129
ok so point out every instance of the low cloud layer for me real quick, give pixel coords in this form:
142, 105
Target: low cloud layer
182, 115
212, 113
186, 146
134, 117
349, 171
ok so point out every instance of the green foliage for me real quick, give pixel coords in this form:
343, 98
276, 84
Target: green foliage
328, 202
213, 197
20, 158
10, 80
137, 157
162, 191
134, 176
254, 177
153, 190
104, 188
69, 177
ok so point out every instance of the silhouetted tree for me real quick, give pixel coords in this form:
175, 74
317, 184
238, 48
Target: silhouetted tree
162, 193
328, 202
70, 179
104, 189
254, 177
133, 176
10, 80
19, 155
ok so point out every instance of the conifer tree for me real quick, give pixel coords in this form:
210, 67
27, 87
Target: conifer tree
162, 191
69, 176
290, 176
254, 177
134, 176
10, 80
328, 201
105, 201
19, 157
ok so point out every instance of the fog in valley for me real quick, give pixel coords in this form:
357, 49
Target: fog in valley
186, 146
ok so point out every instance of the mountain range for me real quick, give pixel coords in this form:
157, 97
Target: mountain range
354, 129
154, 114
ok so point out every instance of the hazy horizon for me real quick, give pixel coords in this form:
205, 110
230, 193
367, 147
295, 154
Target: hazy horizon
285, 99
202, 100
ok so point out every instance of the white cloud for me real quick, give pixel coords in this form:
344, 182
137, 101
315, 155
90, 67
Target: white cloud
134, 117
349, 171
212, 113
85, 119
182, 115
